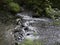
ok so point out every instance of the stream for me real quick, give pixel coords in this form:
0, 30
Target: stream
48, 33
32, 28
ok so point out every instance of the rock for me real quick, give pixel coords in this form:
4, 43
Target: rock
19, 36
22, 26
28, 34
26, 28
18, 21
35, 16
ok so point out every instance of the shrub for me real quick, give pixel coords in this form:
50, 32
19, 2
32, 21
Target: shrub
50, 12
14, 7
56, 22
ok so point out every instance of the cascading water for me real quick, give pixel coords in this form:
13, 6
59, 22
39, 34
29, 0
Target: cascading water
36, 28
29, 32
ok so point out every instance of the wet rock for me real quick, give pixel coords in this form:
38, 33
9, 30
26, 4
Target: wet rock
28, 34
18, 21
19, 36
22, 25
16, 31
35, 16
26, 29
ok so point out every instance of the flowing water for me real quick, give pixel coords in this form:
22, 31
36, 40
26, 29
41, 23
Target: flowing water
33, 28
48, 33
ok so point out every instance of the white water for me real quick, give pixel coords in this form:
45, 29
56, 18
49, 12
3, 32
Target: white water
26, 17
36, 28
31, 32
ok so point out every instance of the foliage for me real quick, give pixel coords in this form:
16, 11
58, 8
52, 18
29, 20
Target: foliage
56, 22
39, 7
14, 7
10, 5
50, 12
55, 3
30, 42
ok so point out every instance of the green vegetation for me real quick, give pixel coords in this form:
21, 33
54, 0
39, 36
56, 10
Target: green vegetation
55, 3
30, 42
40, 8
8, 9
52, 13
56, 22
10, 5
37, 6
14, 7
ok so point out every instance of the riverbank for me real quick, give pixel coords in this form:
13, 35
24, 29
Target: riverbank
7, 22
3, 29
